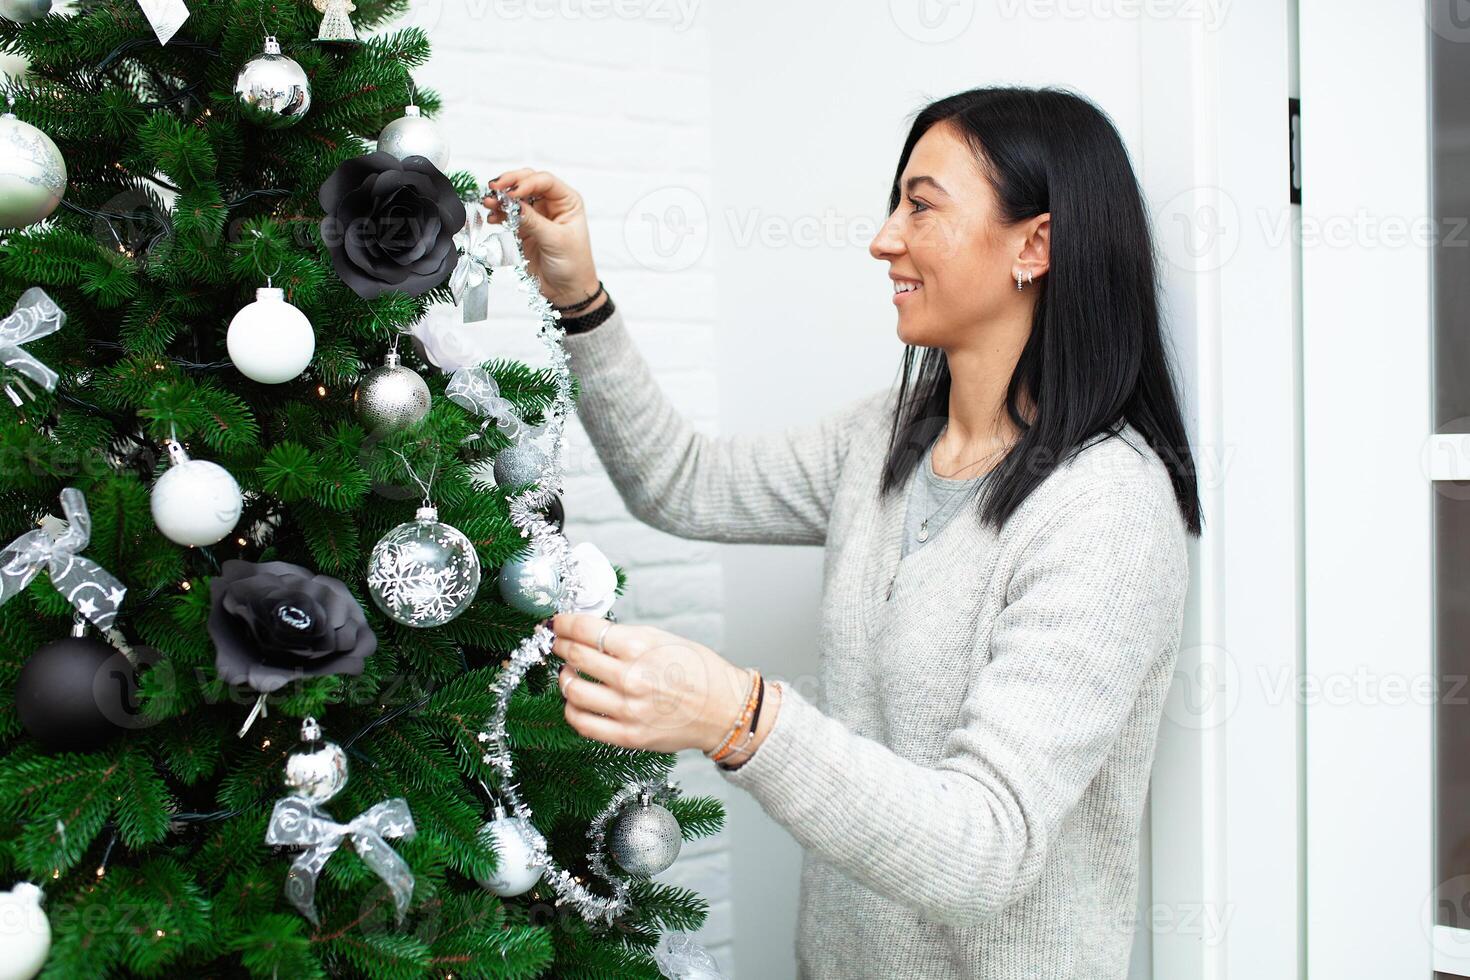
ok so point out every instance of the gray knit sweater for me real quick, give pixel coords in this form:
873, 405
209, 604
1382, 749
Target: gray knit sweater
968, 779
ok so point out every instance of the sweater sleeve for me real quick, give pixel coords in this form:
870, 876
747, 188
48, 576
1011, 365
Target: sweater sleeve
1097, 597
769, 488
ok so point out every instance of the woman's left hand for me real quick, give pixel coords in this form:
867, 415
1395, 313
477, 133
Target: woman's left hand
650, 690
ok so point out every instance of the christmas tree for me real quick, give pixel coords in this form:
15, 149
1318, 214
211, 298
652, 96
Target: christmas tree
243, 732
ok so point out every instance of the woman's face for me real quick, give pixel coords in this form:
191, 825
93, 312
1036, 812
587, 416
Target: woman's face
945, 239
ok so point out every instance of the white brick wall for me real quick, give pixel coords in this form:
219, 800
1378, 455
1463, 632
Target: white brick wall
618, 106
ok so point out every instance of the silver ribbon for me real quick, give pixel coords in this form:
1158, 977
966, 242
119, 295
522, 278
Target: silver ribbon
482, 246
88, 586
475, 390
296, 823
35, 316
165, 17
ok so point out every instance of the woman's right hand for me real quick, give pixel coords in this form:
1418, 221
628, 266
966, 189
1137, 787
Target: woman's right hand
553, 234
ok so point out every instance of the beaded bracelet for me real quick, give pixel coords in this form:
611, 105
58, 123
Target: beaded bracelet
582, 305
723, 749
754, 724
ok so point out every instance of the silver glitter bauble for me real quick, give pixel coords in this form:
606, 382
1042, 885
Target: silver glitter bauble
415, 135
24, 11
32, 173
530, 584
423, 572
517, 465
273, 89
514, 842
318, 772
645, 838
391, 398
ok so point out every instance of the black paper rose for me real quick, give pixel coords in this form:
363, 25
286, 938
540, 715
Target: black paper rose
390, 224
275, 622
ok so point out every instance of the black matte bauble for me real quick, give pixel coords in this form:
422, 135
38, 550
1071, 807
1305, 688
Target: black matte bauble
76, 694
554, 513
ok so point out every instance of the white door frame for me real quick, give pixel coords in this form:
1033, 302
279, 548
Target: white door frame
1368, 546
1225, 811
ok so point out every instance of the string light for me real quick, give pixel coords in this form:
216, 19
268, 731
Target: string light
185, 585
101, 870
321, 391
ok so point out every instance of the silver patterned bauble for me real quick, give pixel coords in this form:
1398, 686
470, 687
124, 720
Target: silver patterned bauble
319, 771
515, 843
517, 465
391, 398
423, 572
24, 11
32, 173
415, 135
530, 584
273, 89
645, 838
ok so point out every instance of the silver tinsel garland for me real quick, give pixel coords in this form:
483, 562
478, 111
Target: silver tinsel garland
535, 649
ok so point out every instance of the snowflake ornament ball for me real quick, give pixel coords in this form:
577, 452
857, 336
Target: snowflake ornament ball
423, 573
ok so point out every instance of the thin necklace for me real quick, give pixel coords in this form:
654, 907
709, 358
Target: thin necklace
923, 533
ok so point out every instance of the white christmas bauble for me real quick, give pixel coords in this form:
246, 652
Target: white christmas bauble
32, 173
513, 841
424, 572
270, 340
24, 11
450, 344
25, 933
597, 581
273, 89
195, 502
414, 135
530, 584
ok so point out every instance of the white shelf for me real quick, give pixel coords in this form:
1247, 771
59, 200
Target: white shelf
1452, 951
1447, 457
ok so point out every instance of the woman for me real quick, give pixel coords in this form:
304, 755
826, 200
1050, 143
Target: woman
1005, 568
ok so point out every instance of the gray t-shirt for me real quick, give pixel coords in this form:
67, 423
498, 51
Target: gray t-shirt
935, 498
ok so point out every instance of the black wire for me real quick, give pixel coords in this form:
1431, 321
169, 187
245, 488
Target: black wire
387, 717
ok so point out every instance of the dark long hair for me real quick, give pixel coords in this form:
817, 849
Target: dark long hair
1095, 358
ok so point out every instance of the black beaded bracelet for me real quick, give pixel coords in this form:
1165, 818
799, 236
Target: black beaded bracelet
573, 308
585, 322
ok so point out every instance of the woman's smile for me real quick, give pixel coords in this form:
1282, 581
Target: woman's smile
903, 289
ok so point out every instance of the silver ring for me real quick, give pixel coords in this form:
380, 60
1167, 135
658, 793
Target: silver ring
601, 636
566, 683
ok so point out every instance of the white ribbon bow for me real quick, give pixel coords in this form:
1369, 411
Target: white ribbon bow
482, 246
88, 586
35, 316
296, 823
